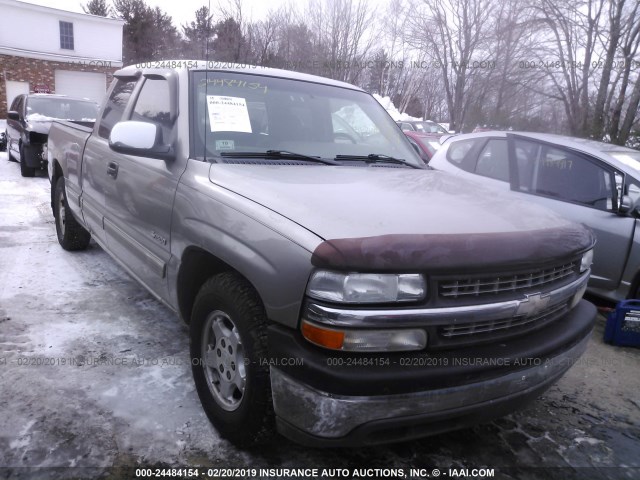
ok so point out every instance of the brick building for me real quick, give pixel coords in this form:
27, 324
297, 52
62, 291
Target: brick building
47, 50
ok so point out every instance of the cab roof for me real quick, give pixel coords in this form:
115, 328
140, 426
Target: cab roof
217, 66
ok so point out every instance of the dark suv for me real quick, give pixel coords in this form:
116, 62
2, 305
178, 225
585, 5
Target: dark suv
29, 120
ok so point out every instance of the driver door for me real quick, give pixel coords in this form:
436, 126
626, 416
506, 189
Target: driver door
581, 188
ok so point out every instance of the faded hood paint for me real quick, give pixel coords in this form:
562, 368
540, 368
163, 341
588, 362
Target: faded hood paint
383, 217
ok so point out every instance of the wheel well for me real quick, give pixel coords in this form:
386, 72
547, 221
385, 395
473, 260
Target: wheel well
57, 173
197, 267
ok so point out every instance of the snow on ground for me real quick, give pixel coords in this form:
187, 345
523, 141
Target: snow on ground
95, 373
89, 354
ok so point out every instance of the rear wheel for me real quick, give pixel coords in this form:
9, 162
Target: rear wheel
228, 349
71, 235
25, 170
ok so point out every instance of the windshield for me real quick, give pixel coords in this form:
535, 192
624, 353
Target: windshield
43, 109
630, 158
428, 127
247, 113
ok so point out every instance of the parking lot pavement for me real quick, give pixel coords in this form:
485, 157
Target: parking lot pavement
94, 374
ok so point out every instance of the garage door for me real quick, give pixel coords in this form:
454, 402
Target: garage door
14, 89
81, 84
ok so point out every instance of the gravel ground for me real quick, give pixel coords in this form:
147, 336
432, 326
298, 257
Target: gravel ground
94, 375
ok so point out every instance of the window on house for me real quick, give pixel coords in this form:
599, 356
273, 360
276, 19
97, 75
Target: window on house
66, 35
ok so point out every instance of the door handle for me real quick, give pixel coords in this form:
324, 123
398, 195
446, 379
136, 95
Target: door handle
112, 169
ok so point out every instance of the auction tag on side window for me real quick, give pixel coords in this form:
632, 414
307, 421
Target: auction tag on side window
228, 114
225, 145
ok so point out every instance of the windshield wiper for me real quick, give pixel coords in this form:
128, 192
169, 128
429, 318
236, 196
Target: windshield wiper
278, 154
376, 158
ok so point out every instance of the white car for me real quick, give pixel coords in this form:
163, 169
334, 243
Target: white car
589, 182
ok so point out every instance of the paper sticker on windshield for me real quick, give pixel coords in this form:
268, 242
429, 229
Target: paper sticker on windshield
228, 114
225, 145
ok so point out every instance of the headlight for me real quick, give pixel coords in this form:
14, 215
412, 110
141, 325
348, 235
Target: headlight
366, 287
587, 260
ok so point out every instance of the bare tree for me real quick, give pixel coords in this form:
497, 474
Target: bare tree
340, 29
572, 28
452, 32
628, 51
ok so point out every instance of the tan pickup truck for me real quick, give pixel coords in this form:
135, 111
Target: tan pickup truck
337, 290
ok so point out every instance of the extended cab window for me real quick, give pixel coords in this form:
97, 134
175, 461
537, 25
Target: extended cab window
564, 175
153, 105
116, 104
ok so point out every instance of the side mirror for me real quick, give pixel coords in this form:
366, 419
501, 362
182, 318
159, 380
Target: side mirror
626, 204
139, 138
13, 115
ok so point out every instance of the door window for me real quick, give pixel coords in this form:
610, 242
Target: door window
20, 105
563, 174
460, 154
14, 104
493, 161
153, 106
114, 109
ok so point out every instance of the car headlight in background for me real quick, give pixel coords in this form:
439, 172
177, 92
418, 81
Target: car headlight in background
366, 287
587, 260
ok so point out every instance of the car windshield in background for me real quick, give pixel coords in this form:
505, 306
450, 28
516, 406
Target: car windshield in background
628, 157
243, 113
429, 127
45, 109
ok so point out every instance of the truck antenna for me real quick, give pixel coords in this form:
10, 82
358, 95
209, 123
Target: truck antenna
206, 81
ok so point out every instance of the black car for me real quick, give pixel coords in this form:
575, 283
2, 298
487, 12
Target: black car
29, 120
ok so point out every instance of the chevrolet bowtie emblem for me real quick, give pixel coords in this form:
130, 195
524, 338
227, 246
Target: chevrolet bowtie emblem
533, 304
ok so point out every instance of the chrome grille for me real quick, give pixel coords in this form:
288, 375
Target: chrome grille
465, 287
546, 315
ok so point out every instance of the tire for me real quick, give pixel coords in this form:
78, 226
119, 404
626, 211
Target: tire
9, 156
233, 384
25, 171
71, 235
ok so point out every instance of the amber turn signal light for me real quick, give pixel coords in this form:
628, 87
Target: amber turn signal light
323, 337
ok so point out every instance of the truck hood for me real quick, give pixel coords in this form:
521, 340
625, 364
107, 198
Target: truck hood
399, 209
39, 126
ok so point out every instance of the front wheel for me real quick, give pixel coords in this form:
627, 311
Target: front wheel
228, 353
71, 235
25, 170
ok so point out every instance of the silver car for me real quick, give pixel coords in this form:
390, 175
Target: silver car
590, 182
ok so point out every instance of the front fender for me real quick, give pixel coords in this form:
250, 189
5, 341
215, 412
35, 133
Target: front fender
272, 252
